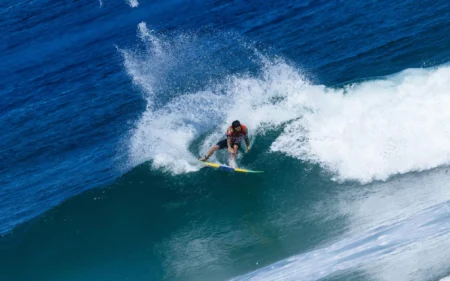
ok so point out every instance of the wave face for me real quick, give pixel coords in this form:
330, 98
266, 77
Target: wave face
406, 238
105, 115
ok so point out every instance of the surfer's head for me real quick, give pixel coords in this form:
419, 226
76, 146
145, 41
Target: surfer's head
236, 125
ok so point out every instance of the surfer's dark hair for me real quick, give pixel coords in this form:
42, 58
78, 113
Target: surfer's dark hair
235, 124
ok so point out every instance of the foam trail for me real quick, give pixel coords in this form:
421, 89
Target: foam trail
405, 243
371, 247
348, 254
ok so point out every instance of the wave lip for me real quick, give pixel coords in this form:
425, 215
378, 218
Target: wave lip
376, 129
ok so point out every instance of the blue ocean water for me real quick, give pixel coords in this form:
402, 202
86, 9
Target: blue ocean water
106, 106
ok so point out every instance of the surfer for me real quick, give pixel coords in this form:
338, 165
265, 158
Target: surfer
235, 134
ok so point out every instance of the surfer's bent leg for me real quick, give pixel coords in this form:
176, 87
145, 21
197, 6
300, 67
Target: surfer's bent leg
236, 149
220, 145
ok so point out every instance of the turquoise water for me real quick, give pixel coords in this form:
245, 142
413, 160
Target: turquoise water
106, 107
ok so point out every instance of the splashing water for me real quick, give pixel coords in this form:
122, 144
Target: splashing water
364, 131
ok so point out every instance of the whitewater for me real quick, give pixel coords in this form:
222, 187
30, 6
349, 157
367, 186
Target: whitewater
364, 131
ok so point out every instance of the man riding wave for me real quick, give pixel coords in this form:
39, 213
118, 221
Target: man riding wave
235, 134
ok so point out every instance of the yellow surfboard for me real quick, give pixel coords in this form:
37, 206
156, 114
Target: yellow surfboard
230, 169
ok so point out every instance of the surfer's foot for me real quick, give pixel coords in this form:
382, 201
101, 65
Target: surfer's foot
204, 158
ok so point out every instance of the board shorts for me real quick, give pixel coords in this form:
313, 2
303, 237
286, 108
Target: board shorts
223, 144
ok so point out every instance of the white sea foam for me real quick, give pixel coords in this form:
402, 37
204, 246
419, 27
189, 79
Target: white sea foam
164, 133
365, 131
376, 129
397, 231
133, 3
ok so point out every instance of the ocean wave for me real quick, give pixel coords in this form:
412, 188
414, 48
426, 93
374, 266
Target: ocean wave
362, 132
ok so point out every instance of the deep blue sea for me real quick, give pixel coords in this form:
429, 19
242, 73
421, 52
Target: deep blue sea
106, 106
